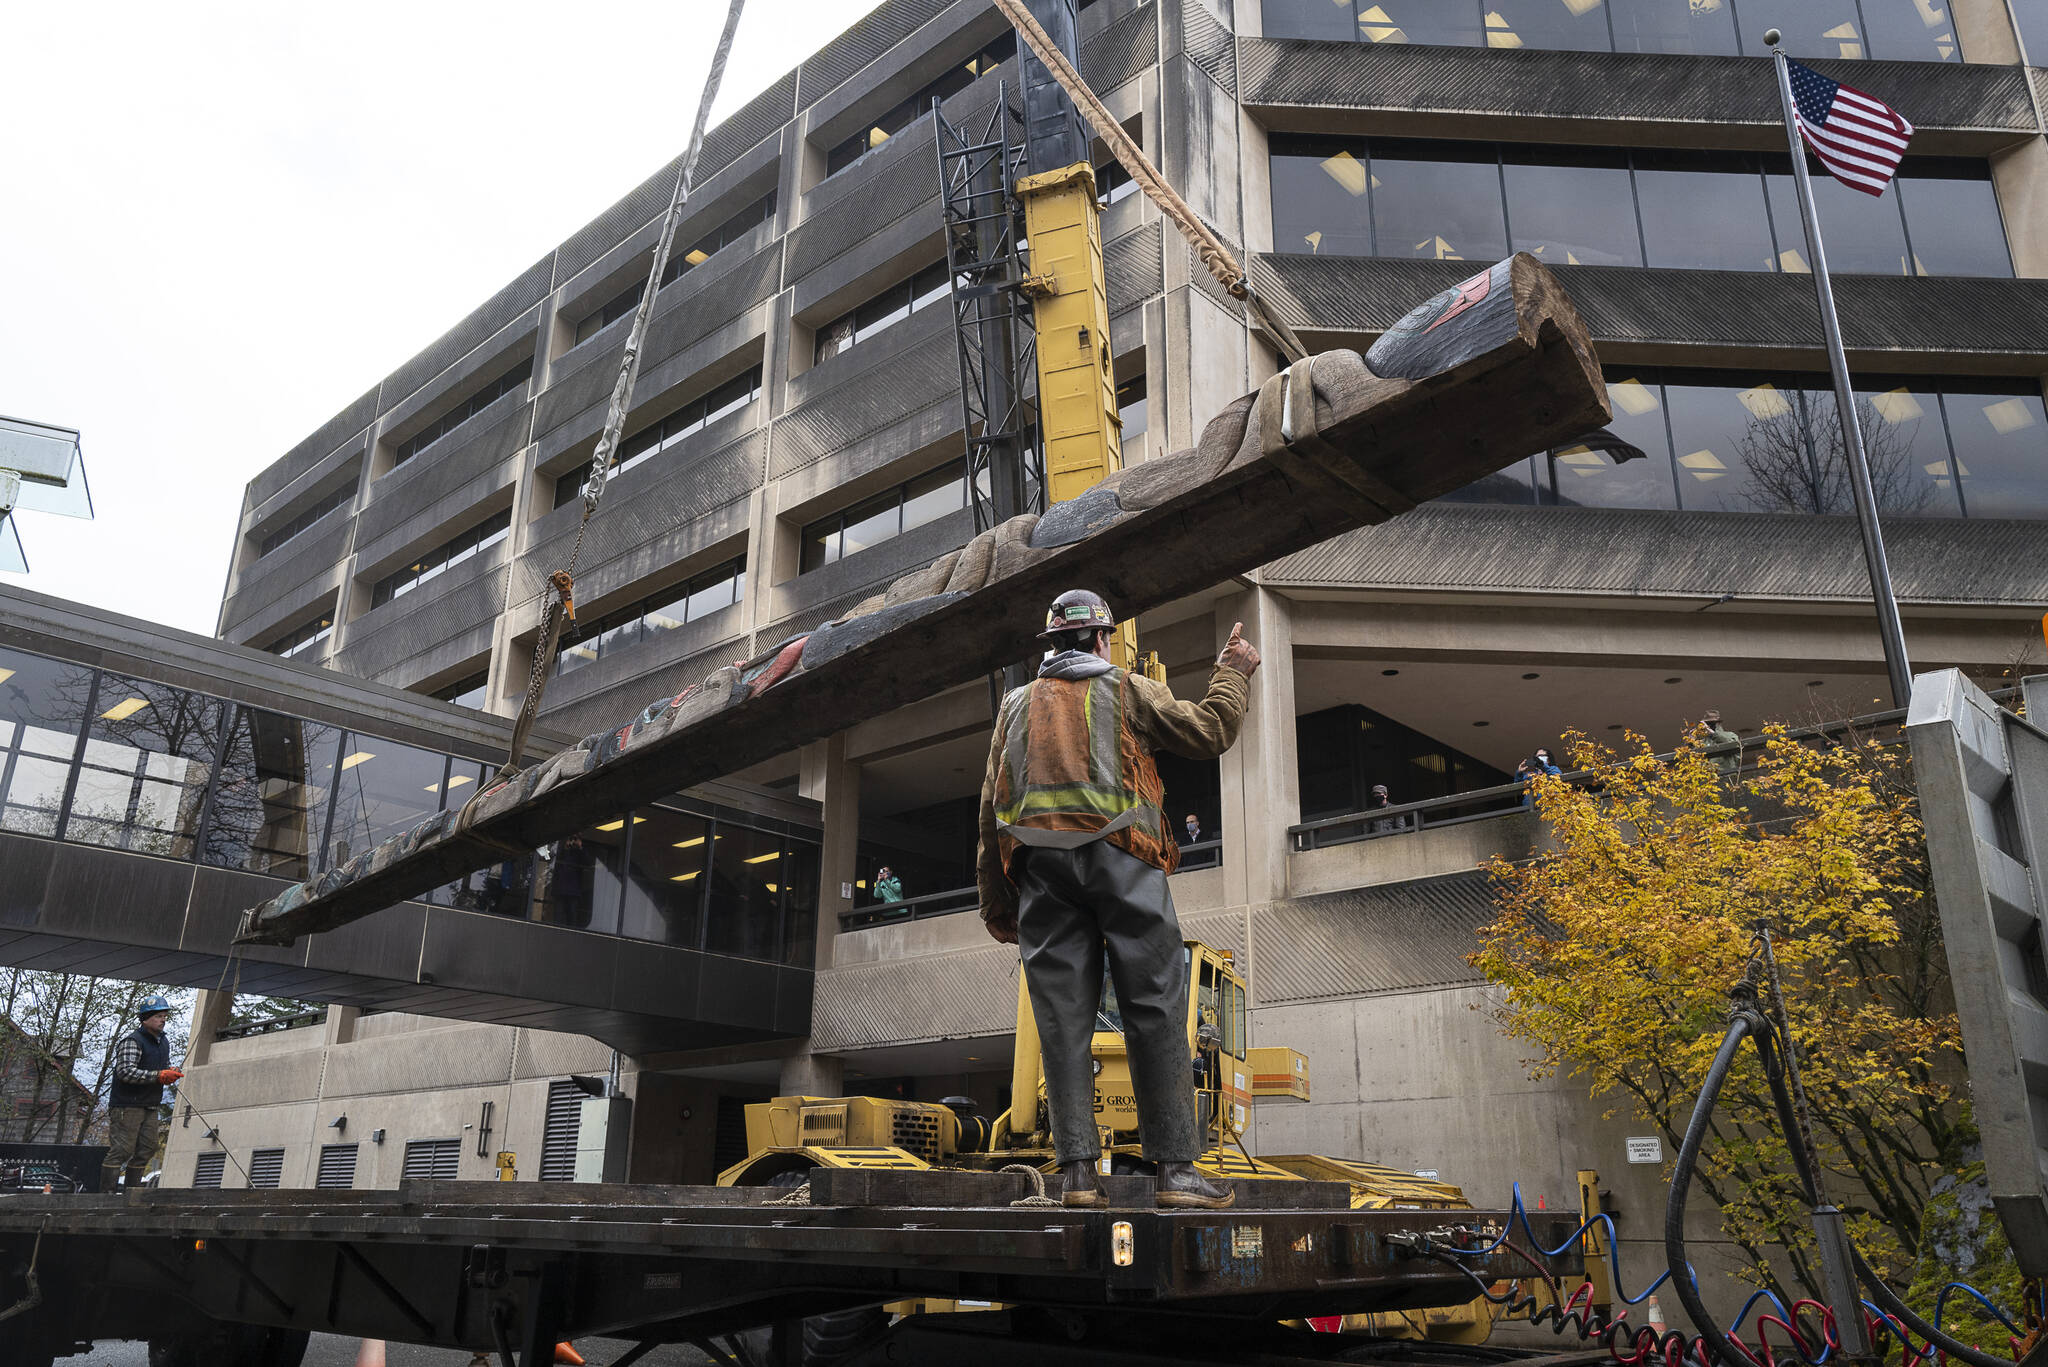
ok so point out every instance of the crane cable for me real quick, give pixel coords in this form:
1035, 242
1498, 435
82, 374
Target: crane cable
1207, 245
561, 608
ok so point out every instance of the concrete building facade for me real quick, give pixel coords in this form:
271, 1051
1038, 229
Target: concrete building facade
796, 442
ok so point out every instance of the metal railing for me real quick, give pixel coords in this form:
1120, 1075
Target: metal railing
271, 1025
1203, 854
1486, 804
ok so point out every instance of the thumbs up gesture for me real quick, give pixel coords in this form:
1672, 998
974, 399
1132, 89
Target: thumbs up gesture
1238, 653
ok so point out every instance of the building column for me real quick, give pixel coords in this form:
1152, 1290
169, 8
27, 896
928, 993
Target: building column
809, 1074
211, 1012
827, 776
340, 1026
1260, 779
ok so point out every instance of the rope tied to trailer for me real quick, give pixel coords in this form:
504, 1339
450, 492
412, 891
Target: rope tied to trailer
1037, 1180
798, 1196
561, 608
1215, 256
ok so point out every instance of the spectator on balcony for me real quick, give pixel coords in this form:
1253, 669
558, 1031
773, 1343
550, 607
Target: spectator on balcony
1385, 825
1544, 763
1536, 766
1723, 747
888, 887
1194, 829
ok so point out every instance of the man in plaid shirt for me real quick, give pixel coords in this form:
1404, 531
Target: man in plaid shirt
142, 1067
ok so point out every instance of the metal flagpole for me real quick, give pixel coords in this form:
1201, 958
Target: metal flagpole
1889, 630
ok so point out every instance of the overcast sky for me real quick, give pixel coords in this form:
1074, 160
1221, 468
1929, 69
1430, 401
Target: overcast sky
223, 222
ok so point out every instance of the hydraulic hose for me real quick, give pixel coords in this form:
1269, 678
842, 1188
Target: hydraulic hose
1682, 1280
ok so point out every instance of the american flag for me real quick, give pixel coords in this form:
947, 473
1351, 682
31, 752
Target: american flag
1857, 137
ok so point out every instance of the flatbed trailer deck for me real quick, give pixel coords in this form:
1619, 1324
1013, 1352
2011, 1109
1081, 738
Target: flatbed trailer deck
510, 1270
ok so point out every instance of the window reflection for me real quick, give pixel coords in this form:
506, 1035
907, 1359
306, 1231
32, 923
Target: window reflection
271, 802
1572, 208
1704, 210
2001, 448
578, 878
1862, 233
384, 789
149, 752
745, 902
1438, 200
1582, 477
42, 707
1684, 26
665, 884
2032, 16
1952, 211
1567, 25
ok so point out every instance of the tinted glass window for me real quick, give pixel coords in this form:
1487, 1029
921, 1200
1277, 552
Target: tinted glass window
1689, 26
42, 707
1319, 199
578, 880
1439, 200
1573, 209
1742, 449
745, 905
385, 788
1953, 218
1572, 25
466, 778
1448, 23
270, 804
1911, 30
1311, 19
665, 886
2033, 21
149, 752
1704, 210
1583, 477
1812, 28
1907, 445
800, 903
1515, 485
1863, 233
2001, 446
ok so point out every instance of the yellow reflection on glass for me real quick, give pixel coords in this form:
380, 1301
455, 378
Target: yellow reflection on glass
5, 675
1581, 460
763, 858
1897, 406
1442, 250
1347, 170
1850, 42
1379, 28
1314, 240
691, 843
1498, 33
1931, 14
615, 825
1703, 465
459, 780
1792, 263
1939, 469
876, 137
772, 887
696, 256
358, 757
684, 877
2008, 417
126, 708
1633, 397
1764, 402
1580, 8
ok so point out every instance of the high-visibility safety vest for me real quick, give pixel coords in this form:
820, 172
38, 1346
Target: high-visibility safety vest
1072, 772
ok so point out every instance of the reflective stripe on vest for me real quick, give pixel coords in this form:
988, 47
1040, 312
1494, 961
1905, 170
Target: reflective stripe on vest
1072, 771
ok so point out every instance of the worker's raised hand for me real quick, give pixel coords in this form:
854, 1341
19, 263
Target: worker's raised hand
170, 1075
1002, 924
1238, 653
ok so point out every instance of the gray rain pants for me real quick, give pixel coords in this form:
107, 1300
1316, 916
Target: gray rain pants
1075, 905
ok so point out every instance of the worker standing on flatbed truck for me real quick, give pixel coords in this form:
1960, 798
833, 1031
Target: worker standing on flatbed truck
142, 1068
1074, 856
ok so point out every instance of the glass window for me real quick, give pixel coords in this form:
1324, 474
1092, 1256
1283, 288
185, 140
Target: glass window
1131, 415
42, 709
1514, 485
1681, 26
799, 903
1319, 197
870, 523
1812, 28
744, 908
1863, 233
513, 380
384, 788
1572, 208
1910, 470
665, 885
1566, 25
466, 778
1581, 477
1911, 30
1439, 200
718, 594
930, 497
453, 551
1952, 217
578, 879
2033, 21
1743, 448
2001, 447
1704, 210
270, 804
472, 692
1330, 20
884, 311
1446, 23
149, 752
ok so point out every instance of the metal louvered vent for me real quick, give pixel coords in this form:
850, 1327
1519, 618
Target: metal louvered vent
916, 1132
266, 1167
207, 1170
558, 1141
337, 1166
431, 1158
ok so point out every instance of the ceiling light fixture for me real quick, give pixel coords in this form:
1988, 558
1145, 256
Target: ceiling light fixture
1532, 676
763, 858
1390, 673
357, 758
684, 877
124, 709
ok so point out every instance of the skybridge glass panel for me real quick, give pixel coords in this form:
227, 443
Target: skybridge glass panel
42, 709
270, 806
381, 789
577, 879
150, 752
665, 885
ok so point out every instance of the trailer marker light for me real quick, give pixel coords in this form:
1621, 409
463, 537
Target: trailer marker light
199, 1245
1122, 1245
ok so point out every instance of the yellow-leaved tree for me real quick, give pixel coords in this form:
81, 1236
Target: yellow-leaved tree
1617, 944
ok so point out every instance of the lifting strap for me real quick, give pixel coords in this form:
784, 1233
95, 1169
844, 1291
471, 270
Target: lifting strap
1209, 247
561, 608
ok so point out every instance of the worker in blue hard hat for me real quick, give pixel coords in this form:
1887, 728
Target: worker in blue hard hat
142, 1069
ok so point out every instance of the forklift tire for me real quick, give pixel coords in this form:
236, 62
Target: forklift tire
233, 1345
838, 1335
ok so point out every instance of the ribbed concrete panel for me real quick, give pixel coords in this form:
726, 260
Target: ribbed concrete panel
1223, 930
943, 996
544, 1053
1122, 50
272, 1081
327, 438
466, 597
1628, 551
582, 378
759, 118
659, 498
868, 39
422, 483
1209, 45
1727, 309
501, 308
698, 312
918, 378
284, 574
897, 179
1391, 938
1132, 268
474, 1056
642, 204
1606, 86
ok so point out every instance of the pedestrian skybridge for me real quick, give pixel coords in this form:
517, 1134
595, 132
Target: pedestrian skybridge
155, 783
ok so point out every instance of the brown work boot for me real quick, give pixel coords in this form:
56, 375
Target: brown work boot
1082, 1191
1180, 1186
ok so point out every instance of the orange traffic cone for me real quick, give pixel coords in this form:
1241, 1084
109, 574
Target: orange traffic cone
567, 1353
371, 1354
